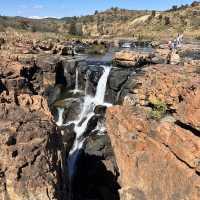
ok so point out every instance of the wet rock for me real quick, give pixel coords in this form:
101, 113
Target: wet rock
70, 66
53, 93
117, 78
92, 123
100, 110
71, 107
68, 136
94, 181
94, 74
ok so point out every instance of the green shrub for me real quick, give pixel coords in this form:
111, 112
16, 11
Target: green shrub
167, 20
159, 109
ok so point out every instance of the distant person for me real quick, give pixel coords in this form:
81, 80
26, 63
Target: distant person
170, 45
179, 40
175, 44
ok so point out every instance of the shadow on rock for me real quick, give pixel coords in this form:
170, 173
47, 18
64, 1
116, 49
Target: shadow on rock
93, 180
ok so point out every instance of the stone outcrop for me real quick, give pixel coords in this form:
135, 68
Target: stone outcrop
31, 149
154, 134
129, 59
158, 155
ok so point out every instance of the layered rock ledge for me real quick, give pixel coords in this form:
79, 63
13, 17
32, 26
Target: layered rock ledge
31, 150
155, 135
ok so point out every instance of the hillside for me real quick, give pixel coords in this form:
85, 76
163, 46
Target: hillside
144, 23
117, 22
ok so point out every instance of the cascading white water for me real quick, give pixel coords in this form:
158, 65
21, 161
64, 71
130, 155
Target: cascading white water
60, 116
87, 82
76, 90
101, 87
86, 114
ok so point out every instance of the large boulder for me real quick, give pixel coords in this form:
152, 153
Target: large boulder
71, 106
44, 45
175, 58
129, 59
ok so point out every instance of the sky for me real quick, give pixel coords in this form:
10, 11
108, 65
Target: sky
62, 8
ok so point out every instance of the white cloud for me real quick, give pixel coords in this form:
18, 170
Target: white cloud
36, 17
41, 17
38, 6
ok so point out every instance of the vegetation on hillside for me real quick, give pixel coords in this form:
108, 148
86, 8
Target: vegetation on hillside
117, 22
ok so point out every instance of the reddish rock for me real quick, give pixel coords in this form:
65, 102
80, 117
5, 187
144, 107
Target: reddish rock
130, 58
188, 111
31, 150
155, 160
158, 159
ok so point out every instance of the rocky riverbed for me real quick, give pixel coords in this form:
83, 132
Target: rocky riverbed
132, 126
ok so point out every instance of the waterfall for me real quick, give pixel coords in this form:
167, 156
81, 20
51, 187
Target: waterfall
101, 87
86, 114
87, 82
76, 90
60, 116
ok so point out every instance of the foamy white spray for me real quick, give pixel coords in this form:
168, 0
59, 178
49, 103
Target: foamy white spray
60, 116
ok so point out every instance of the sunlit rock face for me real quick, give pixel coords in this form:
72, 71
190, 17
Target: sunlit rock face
31, 146
158, 155
31, 149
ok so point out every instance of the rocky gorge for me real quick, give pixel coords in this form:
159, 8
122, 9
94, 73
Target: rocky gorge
79, 128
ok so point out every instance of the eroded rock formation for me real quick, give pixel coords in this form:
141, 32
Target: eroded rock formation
158, 155
31, 150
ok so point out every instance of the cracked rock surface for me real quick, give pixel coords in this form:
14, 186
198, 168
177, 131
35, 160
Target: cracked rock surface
158, 158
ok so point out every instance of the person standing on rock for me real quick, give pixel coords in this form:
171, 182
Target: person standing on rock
170, 45
179, 40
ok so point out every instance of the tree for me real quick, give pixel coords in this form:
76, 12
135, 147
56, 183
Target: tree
160, 17
96, 12
167, 20
72, 28
195, 3
153, 13
24, 24
174, 8
33, 29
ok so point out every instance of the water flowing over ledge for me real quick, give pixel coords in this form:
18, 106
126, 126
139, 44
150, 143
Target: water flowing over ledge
87, 112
